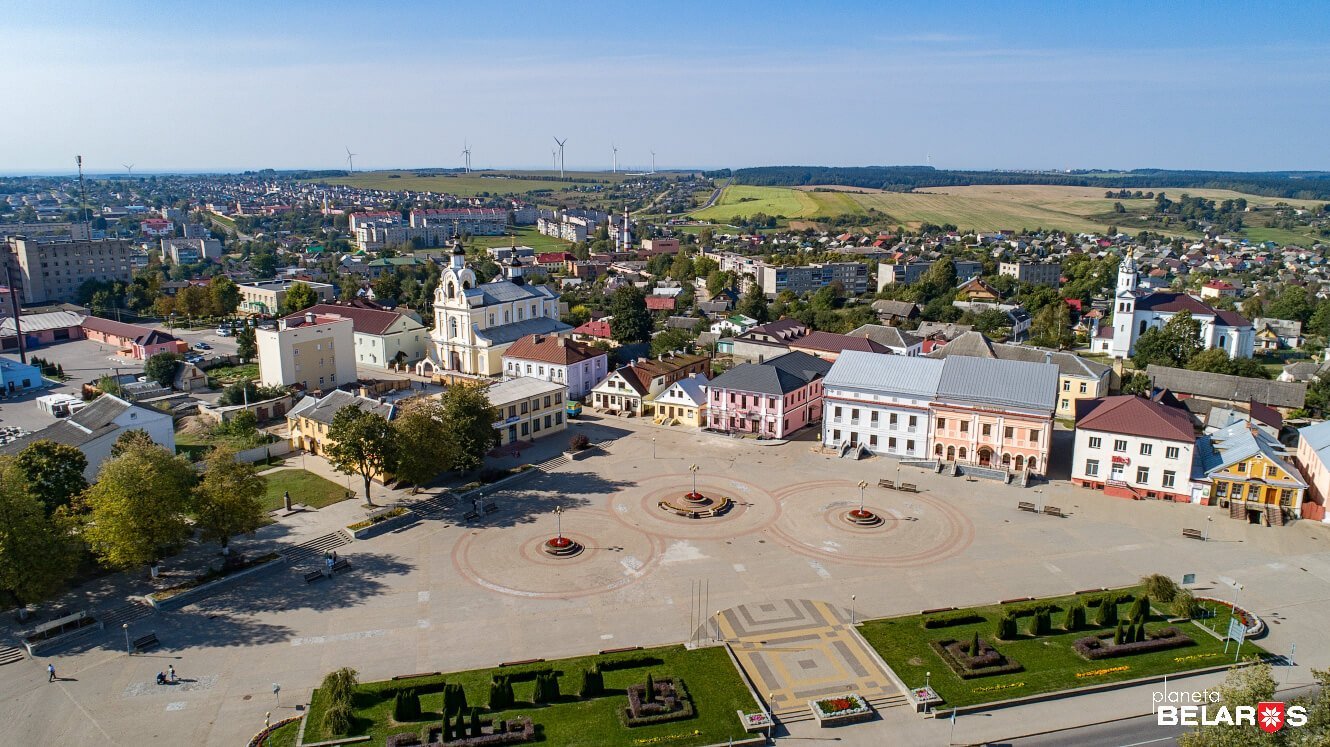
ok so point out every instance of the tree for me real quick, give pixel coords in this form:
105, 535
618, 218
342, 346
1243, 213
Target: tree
36, 557
1243, 687
130, 441
247, 344
161, 368
1319, 324
225, 295
228, 500
54, 472
754, 304
298, 298
140, 505
247, 391
1291, 303
1170, 345
362, 444
1052, 326
421, 424
469, 419
670, 339
1253, 308
632, 321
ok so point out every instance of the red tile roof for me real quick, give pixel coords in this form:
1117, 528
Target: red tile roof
364, 321
660, 303
830, 342
597, 328
552, 257
126, 331
550, 349
1134, 416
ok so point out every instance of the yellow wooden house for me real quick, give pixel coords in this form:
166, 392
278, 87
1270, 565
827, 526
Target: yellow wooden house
1249, 474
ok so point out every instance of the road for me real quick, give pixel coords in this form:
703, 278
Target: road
715, 195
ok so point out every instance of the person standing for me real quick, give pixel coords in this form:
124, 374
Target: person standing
50, 673
170, 673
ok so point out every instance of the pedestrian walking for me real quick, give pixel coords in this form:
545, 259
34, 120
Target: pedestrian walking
170, 673
50, 673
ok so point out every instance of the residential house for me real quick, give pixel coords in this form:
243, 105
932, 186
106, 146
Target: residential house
771, 399
308, 422
576, 365
895, 312
313, 351
1133, 447
1210, 389
94, 429
627, 389
1277, 334
682, 403
735, 324
891, 338
1078, 378
829, 345
1243, 469
529, 408
1219, 289
596, 330
977, 289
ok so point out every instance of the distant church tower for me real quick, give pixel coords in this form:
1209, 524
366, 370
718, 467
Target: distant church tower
1124, 308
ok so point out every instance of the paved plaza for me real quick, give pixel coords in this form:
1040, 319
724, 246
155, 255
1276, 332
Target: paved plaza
781, 566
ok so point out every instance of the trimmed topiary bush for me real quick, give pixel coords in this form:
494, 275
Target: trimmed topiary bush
1074, 619
1107, 615
974, 645
578, 442
406, 706
501, 693
593, 683
1005, 629
1140, 609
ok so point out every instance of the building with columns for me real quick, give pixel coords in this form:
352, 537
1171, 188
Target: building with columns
474, 323
1135, 311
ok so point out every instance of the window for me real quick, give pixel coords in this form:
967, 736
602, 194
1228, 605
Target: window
1119, 444
1142, 474
1286, 497
526, 430
838, 412
891, 420
854, 415
1034, 436
525, 409
872, 441
941, 424
1083, 389
1091, 467
909, 446
547, 400
1221, 489
1008, 432
913, 421
1066, 386
987, 428
891, 444
835, 435
1064, 404
558, 418
1147, 449
1171, 452
1241, 467
872, 418
1271, 472
1170, 478
965, 426
1096, 442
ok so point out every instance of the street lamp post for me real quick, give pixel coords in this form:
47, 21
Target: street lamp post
125, 627
653, 447
862, 484
928, 683
852, 598
694, 468
1208, 521
558, 523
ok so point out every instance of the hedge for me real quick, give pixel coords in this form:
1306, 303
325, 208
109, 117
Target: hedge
946, 621
1093, 648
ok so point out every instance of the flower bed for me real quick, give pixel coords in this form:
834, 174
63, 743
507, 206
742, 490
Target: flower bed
1254, 624
989, 662
261, 739
379, 523
1102, 672
669, 701
842, 709
1100, 646
755, 721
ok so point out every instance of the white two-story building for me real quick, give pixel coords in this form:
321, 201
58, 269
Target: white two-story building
880, 401
576, 365
1133, 447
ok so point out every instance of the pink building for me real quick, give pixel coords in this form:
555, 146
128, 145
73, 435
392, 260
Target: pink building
132, 339
995, 413
771, 399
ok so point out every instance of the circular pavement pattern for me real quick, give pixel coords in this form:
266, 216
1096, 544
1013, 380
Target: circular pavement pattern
638, 507
513, 561
918, 528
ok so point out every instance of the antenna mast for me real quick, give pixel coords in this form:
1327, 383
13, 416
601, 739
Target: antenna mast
83, 197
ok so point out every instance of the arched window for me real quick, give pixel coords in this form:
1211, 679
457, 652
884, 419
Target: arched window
1020, 462
951, 453
452, 289
961, 454
1006, 461
1223, 341
452, 327
1030, 465
1143, 325
938, 450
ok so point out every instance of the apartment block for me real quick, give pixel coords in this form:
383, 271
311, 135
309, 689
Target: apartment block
316, 352
53, 268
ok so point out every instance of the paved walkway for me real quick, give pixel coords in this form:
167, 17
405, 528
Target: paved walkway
795, 650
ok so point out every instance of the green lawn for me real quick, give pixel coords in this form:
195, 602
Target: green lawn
283, 736
1050, 663
231, 374
526, 236
306, 487
711, 680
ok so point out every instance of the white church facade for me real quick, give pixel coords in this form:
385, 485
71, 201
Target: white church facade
474, 323
1134, 312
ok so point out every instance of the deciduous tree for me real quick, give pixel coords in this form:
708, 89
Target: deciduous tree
228, 500
161, 368
362, 443
420, 425
469, 419
36, 556
54, 472
632, 321
140, 505
298, 298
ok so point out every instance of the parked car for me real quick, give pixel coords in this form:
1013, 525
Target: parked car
223, 331
202, 346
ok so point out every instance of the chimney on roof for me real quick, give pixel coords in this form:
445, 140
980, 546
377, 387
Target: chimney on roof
563, 342
309, 317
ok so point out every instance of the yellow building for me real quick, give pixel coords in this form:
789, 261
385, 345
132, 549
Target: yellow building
683, 403
1249, 474
529, 408
308, 422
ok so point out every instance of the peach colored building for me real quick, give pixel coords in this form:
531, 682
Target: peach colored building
995, 413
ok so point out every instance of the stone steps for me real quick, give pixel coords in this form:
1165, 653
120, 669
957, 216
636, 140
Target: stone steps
10, 655
317, 546
125, 613
803, 713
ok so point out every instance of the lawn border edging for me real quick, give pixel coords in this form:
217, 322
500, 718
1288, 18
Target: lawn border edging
945, 712
748, 685
382, 527
202, 591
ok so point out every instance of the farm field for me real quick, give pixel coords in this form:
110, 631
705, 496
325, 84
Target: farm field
469, 185
524, 236
981, 207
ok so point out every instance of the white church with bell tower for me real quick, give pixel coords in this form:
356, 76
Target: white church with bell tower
474, 323
1134, 313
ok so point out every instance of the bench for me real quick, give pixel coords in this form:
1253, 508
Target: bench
888, 484
490, 508
1193, 534
520, 663
414, 676
470, 516
1054, 511
620, 650
313, 576
342, 564
908, 487
145, 642
1027, 506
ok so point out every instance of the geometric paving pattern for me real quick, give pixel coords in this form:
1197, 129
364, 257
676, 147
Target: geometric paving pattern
795, 650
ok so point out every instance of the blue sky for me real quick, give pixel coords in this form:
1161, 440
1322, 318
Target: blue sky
289, 84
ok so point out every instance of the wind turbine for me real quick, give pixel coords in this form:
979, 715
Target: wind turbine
129, 167
615, 168
350, 160
561, 161
466, 151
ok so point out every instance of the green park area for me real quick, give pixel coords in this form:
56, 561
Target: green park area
305, 487
987, 654
578, 701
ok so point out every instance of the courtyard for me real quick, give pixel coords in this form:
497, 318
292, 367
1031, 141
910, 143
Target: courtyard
446, 595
